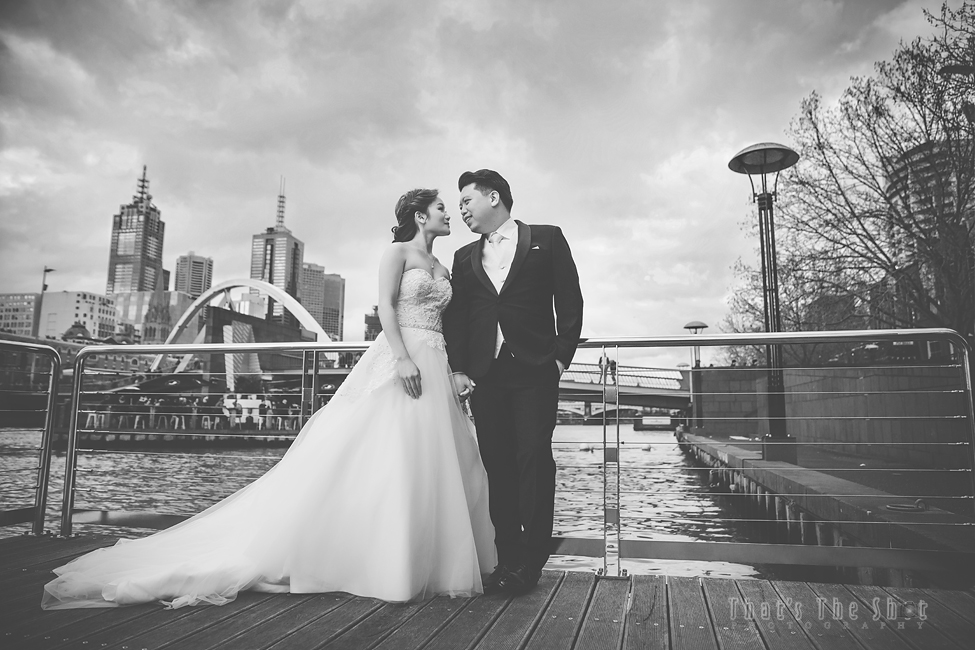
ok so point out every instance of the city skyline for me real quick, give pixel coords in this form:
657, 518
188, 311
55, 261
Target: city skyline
622, 138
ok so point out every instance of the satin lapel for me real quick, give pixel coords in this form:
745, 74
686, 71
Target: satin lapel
478, 266
521, 252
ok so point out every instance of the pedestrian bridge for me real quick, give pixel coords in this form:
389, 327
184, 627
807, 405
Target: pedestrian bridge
652, 387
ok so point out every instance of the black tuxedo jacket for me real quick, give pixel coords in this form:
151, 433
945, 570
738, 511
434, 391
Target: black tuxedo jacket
542, 276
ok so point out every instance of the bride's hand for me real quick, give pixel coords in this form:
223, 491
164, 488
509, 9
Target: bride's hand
410, 376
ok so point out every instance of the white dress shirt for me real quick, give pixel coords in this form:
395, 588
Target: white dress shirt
498, 253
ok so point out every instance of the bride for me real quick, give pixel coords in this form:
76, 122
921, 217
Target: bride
382, 493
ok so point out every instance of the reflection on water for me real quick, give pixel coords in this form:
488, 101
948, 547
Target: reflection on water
662, 494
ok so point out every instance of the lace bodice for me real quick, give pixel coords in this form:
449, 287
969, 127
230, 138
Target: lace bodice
419, 312
422, 300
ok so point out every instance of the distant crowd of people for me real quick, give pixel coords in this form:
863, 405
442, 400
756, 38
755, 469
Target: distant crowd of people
200, 412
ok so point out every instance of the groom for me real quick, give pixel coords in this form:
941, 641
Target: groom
512, 327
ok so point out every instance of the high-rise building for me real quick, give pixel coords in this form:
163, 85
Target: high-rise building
312, 290
276, 258
373, 325
334, 309
135, 259
60, 310
323, 295
17, 312
149, 316
194, 274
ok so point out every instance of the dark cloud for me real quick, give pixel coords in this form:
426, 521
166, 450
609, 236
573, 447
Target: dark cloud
614, 120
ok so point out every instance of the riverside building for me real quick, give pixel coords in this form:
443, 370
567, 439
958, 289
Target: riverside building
135, 258
194, 274
60, 310
323, 295
276, 258
17, 312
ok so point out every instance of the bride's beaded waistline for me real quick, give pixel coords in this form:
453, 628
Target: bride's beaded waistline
422, 329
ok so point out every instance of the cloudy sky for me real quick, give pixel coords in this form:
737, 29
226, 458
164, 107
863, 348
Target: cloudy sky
613, 119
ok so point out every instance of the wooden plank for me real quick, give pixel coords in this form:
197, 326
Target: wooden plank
938, 613
733, 628
646, 622
230, 628
9, 545
522, 615
773, 616
200, 617
76, 633
151, 628
801, 602
690, 626
469, 625
904, 621
432, 617
833, 608
64, 550
88, 624
289, 621
960, 602
325, 628
39, 623
606, 617
370, 631
561, 622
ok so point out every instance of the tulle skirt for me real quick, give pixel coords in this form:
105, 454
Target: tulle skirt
381, 495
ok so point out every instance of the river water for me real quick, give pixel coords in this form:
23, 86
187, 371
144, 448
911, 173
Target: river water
662, 495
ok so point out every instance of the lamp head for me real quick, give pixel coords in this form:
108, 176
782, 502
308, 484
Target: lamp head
695, 327
763, 158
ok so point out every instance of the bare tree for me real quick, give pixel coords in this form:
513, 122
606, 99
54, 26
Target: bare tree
878, 213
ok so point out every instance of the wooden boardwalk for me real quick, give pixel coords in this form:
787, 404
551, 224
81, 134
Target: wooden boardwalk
567, 610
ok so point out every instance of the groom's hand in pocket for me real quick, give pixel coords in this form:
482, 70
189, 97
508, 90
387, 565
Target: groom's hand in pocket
463, 385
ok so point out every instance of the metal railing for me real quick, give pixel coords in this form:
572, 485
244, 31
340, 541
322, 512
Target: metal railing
730, 466
21, 390
826, 508
312, 355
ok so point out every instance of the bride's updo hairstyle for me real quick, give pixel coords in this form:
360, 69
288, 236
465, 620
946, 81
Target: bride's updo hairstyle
408, 205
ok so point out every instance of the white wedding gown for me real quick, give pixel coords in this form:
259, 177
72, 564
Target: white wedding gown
380, 495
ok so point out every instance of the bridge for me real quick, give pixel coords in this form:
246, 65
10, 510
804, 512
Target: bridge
583, 382
638, 386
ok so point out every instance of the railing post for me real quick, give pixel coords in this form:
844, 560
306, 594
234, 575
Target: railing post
611, 477
47, 444
71, 453
966, 366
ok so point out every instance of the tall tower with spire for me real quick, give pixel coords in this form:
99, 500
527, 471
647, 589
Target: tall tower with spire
135, 258
276, 258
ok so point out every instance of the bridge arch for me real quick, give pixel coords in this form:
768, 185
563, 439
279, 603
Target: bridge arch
289, 302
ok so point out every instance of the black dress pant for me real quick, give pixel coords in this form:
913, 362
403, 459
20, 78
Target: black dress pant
515, 407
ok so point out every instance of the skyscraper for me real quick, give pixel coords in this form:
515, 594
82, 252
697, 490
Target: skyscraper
334, 308
276, 258
373, 325
323, 295
194, 274
135, 259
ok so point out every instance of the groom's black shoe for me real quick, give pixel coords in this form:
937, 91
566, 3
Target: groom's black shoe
519, 581
492, 583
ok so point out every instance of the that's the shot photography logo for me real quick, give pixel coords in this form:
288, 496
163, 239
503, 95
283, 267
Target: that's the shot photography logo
828, 612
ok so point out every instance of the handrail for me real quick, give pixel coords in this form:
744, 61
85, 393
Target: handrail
44, 467
71, 454
568, 545
778, 338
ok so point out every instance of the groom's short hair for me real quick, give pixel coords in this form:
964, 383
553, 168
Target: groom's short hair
487, 180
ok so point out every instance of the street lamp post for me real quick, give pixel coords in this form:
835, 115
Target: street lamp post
695, 327
35, 330
761, 160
